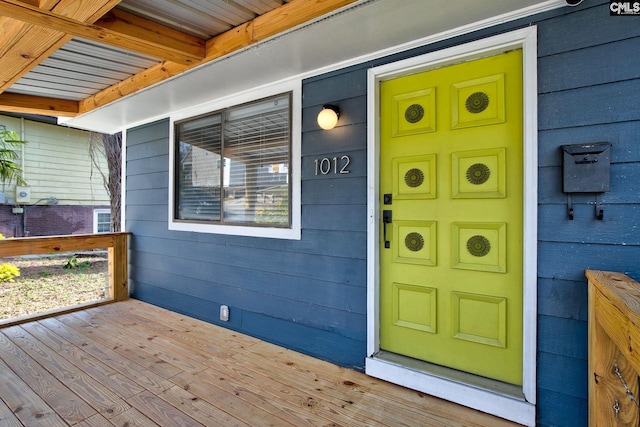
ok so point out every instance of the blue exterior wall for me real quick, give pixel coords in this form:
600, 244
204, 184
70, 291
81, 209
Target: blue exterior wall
310, 295
589, 83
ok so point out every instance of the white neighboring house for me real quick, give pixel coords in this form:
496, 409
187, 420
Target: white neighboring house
64, 193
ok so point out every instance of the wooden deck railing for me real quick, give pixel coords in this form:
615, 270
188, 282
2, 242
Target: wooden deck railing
115, 243
614, 349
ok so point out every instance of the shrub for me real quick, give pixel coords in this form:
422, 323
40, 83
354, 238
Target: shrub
8, 272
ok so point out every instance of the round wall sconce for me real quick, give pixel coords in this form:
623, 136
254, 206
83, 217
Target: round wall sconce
328, 117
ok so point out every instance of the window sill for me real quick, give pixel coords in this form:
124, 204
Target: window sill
292, 233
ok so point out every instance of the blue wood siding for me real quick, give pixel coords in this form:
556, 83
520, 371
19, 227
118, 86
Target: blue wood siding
310, 295
589, 83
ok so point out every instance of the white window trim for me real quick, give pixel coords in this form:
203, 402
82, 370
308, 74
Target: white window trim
96, 212
293, 233
505, 406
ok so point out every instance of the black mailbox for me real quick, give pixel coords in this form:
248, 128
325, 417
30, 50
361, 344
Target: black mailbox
587, 169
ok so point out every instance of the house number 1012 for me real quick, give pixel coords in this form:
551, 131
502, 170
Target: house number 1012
336, 165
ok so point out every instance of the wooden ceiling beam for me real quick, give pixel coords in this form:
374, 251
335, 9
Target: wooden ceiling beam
23, 46
267, 25
129, 27
136, 27
29, 104
122, 30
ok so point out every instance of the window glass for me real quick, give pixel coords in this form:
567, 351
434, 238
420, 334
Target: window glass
102, 221
199, 169
232, 166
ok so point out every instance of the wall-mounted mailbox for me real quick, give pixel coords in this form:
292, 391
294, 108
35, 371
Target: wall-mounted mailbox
586, 169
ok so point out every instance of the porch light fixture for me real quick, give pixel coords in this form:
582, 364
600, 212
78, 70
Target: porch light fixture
328, 117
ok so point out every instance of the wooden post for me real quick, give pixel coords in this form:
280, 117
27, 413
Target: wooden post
118, 268
614, 349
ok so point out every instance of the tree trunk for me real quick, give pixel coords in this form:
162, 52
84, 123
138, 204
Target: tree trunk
111, 147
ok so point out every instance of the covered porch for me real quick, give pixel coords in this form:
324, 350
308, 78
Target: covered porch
130, 363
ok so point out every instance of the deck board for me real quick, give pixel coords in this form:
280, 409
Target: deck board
63, 401
134, 364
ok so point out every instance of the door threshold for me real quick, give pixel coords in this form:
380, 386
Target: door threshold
493, 397
454, 375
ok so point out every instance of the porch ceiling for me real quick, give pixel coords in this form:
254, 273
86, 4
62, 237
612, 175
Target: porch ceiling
110, 64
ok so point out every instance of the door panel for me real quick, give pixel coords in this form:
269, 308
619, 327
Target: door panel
451, 179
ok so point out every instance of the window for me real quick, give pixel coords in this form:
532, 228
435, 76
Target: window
232, 167
101, 221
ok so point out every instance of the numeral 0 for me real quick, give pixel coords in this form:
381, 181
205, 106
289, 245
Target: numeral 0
339, 165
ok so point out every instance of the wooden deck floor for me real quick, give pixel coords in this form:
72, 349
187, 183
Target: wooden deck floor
133, 364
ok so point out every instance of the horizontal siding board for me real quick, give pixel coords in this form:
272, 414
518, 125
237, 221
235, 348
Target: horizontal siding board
40, 136
143, 134
343, 244
577, 69
624, 178
148, 181
608, 103
78, 185
563, 298
573, 373
201, 261
41, 169
350, 299
148, 165
621, 224
57, 134
87, 189
346, 84
576, 30
158, 196
349, 244
568, 261
73, 184
335, 217
550, 187
313, 242
314, 342
622, 136
341, 322
557, 409
331, 190
159, 230
150, 228
341, 139
158, 147
140, 212
191, 264
184, 304
44, 154
143, 222
565, 337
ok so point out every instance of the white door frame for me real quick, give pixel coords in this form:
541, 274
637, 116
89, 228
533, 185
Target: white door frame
518, 409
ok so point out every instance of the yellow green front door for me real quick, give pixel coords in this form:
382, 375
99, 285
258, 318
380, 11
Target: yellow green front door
452, 220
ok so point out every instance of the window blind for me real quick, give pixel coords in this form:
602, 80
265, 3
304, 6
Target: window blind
233, 166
